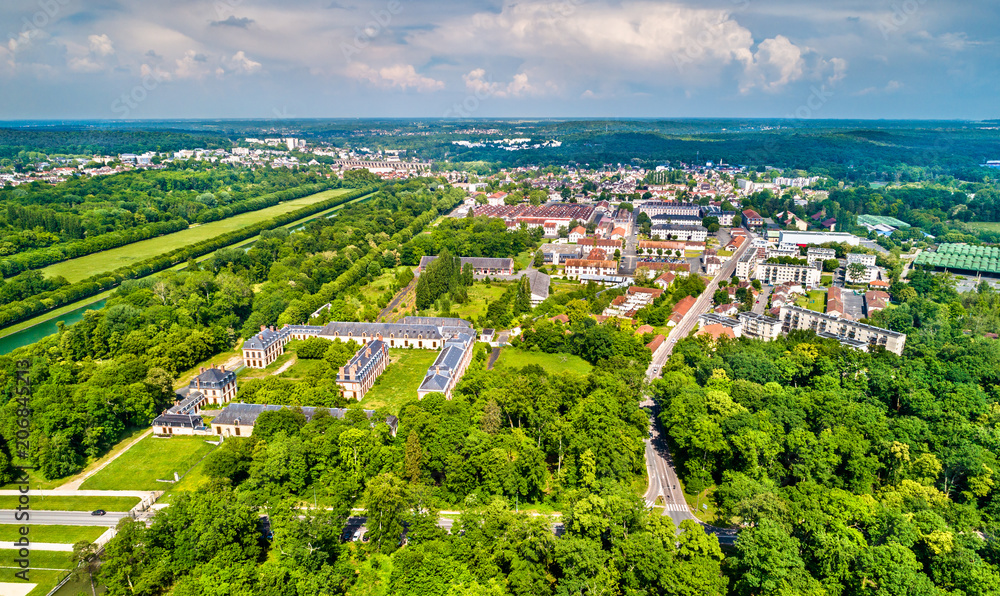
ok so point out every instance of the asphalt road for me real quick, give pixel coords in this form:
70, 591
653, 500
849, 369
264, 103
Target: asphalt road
663, 481
64, 518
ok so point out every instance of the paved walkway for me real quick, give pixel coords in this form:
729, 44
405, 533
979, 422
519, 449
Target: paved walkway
493, 358
74, 485
39, 546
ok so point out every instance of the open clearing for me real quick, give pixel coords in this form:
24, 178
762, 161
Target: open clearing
75, 270
990, 226
815, 300
400, 381
552, 363
151, 459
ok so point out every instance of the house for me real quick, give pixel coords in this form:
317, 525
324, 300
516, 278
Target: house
559, 253
729, 310
238, 419
680, 310
576, 234
829, 224
577, 267
597, 254
656, 345
834, 302
560, 319
634, 299
263, 348
875, 300
480, 265
617, 233
712, 265
665, 279
787, 218
496, 199
644, 329
752, 219
358, 375
717, 326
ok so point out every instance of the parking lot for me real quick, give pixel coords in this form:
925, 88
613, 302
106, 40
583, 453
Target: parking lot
970, 283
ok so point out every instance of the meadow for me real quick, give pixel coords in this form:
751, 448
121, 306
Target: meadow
149, 460
81, 268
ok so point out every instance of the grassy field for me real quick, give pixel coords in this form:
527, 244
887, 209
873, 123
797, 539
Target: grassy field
479, 294
814, 300
374, 290
55, 534
701, 505
75, 270
73, 503
51, 559
989, 226
45, 580
553, 363
149, 460
400, 381
826, 279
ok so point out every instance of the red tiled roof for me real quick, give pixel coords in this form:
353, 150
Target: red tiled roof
684, 305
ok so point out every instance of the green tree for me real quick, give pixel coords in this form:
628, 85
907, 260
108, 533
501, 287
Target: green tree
386, 504
413, 457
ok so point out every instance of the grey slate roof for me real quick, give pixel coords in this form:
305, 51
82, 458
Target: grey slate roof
179, 421
213, 378
539, 283
238, 413
476, 262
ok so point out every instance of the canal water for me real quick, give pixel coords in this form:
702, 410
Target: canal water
36, 332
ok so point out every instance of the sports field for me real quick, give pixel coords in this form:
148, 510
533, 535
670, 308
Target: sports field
75, 270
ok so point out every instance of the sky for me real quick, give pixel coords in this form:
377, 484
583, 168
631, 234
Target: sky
143, 59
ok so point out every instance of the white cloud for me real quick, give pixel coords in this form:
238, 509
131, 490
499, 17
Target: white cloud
404, 76
101, 45
480, 84
192, 66
776, 63
243, 65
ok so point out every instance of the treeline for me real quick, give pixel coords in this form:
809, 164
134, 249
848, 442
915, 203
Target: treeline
472, 237
102, 141
30, 307
444, 275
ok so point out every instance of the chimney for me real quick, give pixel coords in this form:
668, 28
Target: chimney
199, 382
222, 368
343, 374
201, 369
368, 353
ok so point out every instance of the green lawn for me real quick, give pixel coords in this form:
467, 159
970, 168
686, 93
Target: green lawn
479, 294
151, 459
702, 505
52, 559
191, 482
75, 270
814, 300
45, 579
73, 503
374, 290
826, 279
990, 226
400, 381
56, 534
553, 363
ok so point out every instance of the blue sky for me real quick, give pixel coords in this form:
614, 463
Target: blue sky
66, 59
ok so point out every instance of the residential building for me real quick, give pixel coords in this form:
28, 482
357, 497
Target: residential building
665, 279
358, 375
718, 325
775, 273
787, 218
679, 220
855, 334
712, 265
558, 253
875, 300
835, 302
263, 348
746, 267
448, 367
577, 267
480, 265
657, 208
667, 247
815, 253
681, 233
577, 234
761, 327
864, 259
752, 219
213, 386
238, 419
680, 310
634, 299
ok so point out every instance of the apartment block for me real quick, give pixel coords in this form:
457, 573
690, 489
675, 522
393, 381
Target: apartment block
852, 333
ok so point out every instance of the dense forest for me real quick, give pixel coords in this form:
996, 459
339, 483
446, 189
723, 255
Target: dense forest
850, 473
